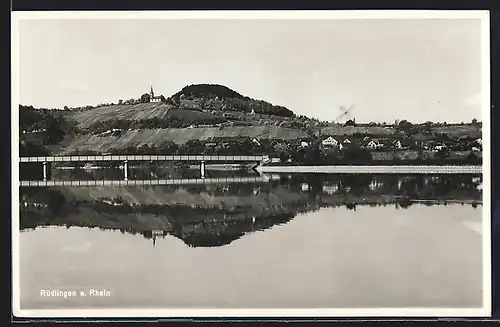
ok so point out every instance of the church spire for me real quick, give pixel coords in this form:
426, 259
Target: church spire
152, 93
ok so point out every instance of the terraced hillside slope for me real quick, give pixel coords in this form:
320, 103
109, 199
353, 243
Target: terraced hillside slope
152, 137
197, 112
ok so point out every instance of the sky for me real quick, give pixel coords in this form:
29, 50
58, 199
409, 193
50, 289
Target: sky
387, 69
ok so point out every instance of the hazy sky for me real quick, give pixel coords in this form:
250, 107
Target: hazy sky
421, 69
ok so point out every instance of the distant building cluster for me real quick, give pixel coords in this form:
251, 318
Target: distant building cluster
373, 144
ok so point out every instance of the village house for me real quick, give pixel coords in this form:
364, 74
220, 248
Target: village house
403, 144
374, 144
304, 143
423, 139
428, 145
439, 146
476, 148
330, 141
256, 141
220, 141
210, 144
375, 184
478, 144
330, 189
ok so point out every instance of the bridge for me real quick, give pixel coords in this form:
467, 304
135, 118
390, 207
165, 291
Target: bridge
145, 157
202, 159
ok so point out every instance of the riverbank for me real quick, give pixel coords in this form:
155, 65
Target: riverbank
372, 169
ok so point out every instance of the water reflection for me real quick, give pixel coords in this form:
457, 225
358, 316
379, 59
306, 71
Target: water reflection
137, 171
216, 215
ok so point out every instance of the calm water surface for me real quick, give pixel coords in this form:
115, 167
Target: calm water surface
304, 242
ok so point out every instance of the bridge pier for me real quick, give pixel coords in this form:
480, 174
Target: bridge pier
125, 169
46, 167
202, 169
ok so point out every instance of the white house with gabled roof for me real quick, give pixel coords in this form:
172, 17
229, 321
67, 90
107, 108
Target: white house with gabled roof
330, 141
374, 144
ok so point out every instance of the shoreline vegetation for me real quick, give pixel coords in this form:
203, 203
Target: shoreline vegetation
213, 119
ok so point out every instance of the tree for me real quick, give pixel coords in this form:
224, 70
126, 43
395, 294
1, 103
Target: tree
54, 132
471, 158
312, 155
443, 153
145, 98
350, 122
420, 152
405, 125
355, 154
284, 156
56, 202
332, 155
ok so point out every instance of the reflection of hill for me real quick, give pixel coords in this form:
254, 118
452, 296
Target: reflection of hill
217, 233
214, 215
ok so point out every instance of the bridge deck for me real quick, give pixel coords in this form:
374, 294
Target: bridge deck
142, 158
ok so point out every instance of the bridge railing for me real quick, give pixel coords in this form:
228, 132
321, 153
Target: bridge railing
143, 157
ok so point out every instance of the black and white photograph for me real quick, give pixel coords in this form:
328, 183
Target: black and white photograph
251, 163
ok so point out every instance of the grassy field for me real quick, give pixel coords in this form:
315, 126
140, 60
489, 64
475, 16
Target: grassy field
350, 130
140, 111
143, 112
138, 138
377, 131
457, 131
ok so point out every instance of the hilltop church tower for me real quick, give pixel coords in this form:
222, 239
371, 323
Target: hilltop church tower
152, 97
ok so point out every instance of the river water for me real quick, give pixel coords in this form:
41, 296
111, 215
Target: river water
302, 241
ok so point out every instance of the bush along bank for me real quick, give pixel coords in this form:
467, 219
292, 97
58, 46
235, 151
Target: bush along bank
304, 155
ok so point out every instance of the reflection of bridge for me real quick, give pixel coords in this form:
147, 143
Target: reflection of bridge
179, 181
46, 160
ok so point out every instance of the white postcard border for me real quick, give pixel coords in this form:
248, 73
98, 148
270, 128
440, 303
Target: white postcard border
320, 312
